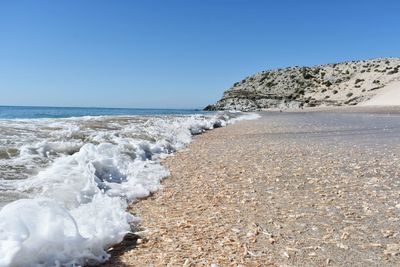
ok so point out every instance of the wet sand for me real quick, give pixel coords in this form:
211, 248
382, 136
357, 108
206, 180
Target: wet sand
290, 189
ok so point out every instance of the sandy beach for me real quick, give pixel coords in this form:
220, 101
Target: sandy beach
290, 189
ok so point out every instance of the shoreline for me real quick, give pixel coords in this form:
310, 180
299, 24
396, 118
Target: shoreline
78, 175
294, 188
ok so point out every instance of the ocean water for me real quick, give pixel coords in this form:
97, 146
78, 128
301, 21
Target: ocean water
14, 112
68, 174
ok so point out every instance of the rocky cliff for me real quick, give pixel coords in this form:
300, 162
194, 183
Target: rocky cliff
347, 83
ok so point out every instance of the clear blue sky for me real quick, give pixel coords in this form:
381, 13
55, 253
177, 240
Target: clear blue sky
180, 54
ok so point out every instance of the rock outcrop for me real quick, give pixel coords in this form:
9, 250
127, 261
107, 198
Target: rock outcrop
340, 84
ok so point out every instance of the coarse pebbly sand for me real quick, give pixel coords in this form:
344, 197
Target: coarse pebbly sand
311, 188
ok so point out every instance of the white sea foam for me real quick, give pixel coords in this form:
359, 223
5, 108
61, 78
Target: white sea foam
84, 172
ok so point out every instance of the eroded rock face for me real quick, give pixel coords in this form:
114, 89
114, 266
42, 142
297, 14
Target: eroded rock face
341, 84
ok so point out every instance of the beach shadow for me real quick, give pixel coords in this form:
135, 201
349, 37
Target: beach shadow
128, 243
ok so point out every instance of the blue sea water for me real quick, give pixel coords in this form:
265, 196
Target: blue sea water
26, 112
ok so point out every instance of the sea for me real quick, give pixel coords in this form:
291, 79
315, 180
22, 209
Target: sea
67, 176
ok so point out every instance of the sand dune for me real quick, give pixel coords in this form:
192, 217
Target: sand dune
390, 96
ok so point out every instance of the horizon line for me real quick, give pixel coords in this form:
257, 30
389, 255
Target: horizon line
96, 107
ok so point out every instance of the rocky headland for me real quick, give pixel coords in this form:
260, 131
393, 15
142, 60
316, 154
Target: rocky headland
339, 84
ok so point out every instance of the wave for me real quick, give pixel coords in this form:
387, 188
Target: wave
89, 170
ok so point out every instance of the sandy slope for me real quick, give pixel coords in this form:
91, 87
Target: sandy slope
388, 96
290, 189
